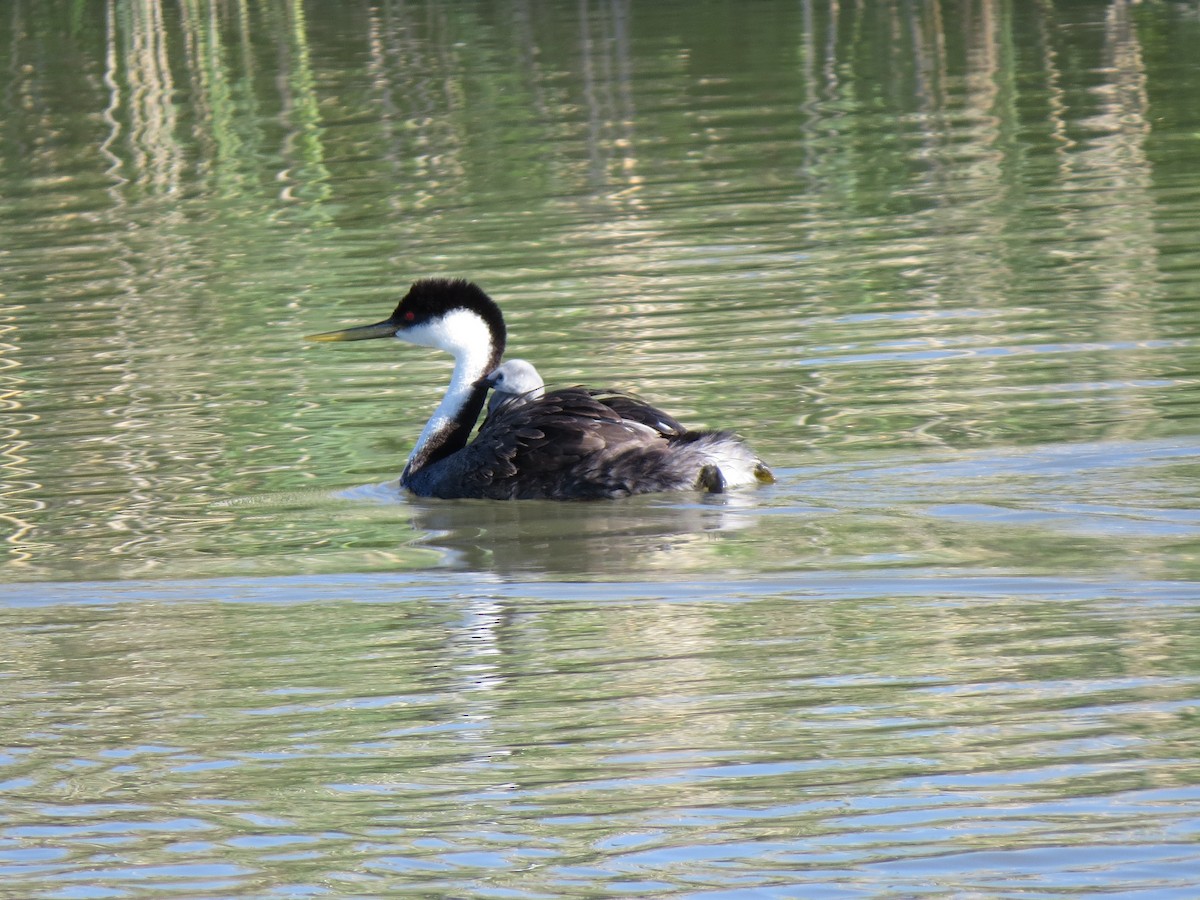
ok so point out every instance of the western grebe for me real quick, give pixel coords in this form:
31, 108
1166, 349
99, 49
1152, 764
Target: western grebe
572, 443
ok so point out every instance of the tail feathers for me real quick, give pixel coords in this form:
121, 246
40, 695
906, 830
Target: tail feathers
721, 460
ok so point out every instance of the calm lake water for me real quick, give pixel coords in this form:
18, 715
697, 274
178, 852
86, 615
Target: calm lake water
939, 263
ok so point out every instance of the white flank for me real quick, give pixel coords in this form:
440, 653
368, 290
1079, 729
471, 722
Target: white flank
736, 461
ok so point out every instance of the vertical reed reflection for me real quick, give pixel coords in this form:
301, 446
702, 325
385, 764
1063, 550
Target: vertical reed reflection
143, 86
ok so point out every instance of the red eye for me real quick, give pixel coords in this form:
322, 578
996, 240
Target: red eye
409, 316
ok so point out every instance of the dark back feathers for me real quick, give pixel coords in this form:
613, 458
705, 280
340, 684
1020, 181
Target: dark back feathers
571, 443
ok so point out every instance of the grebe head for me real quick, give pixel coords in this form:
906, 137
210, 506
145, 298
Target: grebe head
451, 314
514, 382
516, 376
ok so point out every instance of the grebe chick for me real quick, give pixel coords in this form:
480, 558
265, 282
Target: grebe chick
514, 381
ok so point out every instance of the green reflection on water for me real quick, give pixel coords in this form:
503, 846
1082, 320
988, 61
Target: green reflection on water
853, 234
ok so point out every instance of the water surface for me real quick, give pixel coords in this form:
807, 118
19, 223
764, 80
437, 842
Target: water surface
938, 263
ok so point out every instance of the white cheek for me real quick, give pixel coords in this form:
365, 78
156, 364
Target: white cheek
423, 335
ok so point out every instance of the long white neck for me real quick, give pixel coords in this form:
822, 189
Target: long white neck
476, 352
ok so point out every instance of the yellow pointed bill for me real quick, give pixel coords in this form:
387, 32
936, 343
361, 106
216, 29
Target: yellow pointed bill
384, 329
